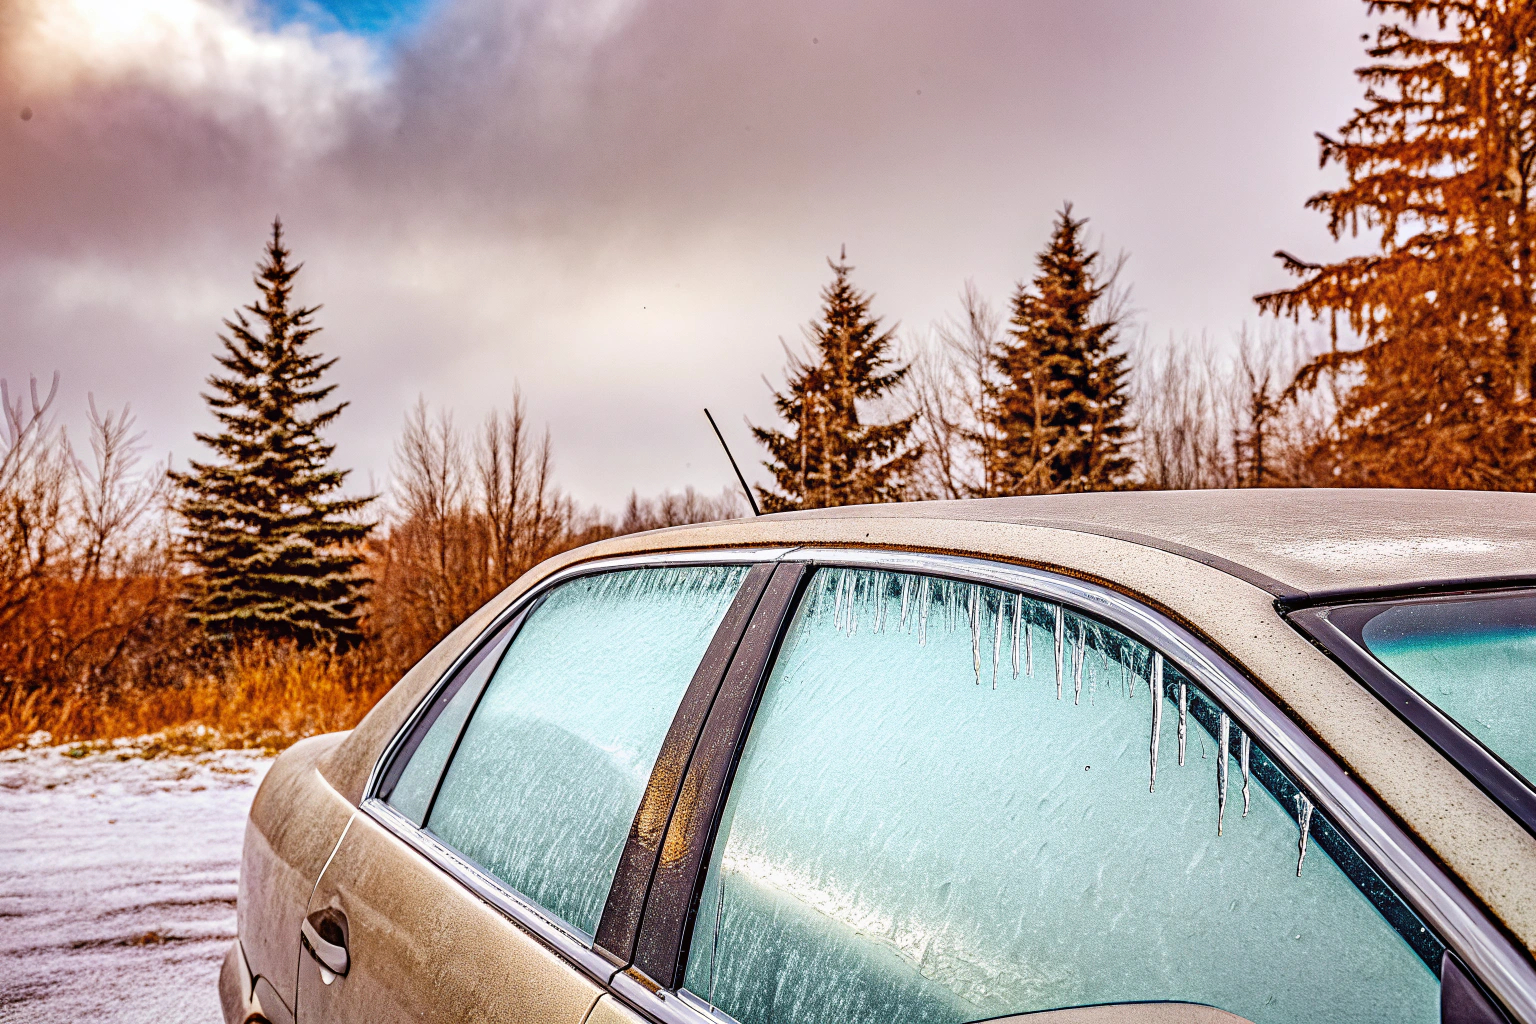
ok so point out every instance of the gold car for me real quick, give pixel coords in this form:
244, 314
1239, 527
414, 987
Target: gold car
1132, 757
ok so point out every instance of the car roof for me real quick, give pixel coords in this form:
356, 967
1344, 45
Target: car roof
1297, 544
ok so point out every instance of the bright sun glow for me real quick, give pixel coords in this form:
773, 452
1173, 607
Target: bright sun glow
218, 55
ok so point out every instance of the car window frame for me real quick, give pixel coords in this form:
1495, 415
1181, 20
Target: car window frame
652, 983
583, 953
1335, 628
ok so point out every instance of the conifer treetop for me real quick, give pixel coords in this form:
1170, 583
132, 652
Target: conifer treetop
830, 456
1439, 164
263, 522
1059, 400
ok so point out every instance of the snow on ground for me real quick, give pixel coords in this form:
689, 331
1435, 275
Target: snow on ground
117, 881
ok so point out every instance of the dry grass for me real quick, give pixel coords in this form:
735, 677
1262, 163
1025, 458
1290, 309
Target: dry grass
264, 695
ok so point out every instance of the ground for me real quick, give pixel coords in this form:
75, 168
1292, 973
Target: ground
117, 880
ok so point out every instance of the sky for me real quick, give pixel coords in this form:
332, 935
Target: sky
625, 207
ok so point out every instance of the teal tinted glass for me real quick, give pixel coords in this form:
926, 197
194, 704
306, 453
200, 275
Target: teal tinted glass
1474, 658
949, 809
412, 794
547, 778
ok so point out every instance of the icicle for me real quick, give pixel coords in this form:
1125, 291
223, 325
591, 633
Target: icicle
997, 636
973, 607
1242, 757
850, 605
1060, 638
1303, 822
1223, 748
922, 614
1183, 718
906, 594
1018, 608
1078, 657
1156, 686
878, 594
1029, 649
837, 606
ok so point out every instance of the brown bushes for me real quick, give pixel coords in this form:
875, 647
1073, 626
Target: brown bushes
261, 695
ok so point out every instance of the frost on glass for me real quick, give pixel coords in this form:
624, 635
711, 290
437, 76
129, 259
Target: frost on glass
552, 766
906, 841
413, 791
1475, 660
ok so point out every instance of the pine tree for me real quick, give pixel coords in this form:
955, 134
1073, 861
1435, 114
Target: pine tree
1439, 164
272, 544
1059, 401
828, 456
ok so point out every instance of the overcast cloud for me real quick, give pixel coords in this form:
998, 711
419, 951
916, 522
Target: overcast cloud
623, 205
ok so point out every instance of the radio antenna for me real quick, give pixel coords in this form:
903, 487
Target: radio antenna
743, 480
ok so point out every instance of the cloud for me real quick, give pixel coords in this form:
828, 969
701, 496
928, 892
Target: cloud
624, 204
211, 58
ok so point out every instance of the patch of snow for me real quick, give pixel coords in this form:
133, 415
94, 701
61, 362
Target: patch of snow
117, 880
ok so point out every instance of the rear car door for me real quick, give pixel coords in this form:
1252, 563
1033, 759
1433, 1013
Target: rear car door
472, 883
959, 802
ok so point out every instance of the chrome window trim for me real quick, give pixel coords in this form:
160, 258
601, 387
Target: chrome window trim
566, 939
1412, 872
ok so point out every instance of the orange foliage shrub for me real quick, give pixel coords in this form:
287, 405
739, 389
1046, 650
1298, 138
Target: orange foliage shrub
261, 695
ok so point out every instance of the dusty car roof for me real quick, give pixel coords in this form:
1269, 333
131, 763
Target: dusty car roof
1291, 542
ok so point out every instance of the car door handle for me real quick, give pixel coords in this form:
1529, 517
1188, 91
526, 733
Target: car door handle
324, 934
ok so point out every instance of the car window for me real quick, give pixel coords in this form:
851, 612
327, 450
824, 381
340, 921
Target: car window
546, 779
439, 728
957, 803
1473, 657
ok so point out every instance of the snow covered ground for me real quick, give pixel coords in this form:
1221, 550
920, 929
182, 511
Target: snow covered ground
117, 882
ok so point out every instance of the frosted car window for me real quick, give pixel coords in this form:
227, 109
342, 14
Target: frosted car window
1475, 659
545, 783
412, 793
953, 805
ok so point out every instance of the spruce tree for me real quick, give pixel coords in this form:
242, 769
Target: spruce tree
272, 543
828, 456
1439, 165
1059, 400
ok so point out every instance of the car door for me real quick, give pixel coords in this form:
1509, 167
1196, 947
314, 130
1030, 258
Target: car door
957, 802
471, 884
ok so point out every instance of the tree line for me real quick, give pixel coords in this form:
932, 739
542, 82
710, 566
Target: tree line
119, 579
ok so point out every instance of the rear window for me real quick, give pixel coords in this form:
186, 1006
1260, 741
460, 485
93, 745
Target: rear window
1472, 656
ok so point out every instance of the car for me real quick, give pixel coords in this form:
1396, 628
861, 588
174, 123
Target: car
1152, 757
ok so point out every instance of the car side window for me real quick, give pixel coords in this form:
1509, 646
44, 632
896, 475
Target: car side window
958, 803
410, 790
551, 765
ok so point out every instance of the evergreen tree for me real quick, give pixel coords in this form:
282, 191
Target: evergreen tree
828, 456
1058, 403
272, 543
1439, 163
